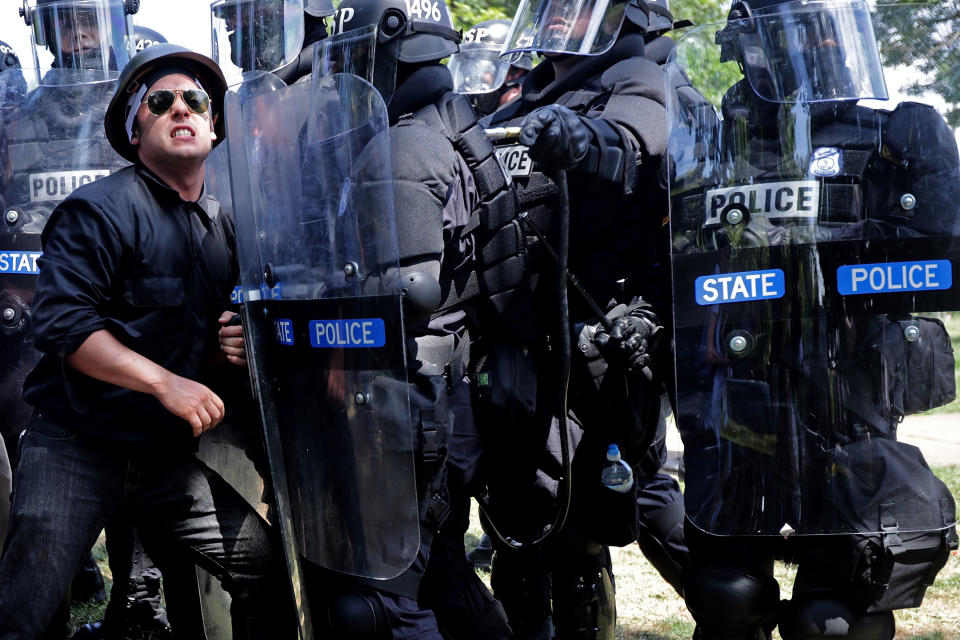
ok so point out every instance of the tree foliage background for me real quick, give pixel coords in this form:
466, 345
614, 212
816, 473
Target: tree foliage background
927, 37
467, 13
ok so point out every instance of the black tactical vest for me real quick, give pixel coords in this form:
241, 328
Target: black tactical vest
501, 255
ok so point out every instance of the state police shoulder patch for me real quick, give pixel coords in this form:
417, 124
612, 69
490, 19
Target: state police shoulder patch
826, 162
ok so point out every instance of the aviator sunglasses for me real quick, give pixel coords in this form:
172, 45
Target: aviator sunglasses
161, 100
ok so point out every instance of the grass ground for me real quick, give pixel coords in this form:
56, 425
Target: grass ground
648, 609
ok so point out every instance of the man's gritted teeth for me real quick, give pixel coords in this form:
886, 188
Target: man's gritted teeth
183, 132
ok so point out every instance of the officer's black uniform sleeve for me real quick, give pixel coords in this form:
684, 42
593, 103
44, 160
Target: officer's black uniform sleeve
630, 127
425, 170
637, 104
82, 250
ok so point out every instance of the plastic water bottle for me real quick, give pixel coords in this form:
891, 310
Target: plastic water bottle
617, 474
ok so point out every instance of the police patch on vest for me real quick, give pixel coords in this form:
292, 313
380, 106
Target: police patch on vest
826, 162
57, 185
20, 262
515, 160
774, 200
744, 286
894, 277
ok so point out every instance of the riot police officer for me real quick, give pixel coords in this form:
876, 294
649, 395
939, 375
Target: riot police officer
594, 111
479, 72
446, 177
789, 394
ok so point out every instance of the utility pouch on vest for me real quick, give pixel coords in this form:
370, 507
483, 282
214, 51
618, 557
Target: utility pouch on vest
612, 518
434, 420
746, 416
884, 485
902, 367
929, 365
504, 382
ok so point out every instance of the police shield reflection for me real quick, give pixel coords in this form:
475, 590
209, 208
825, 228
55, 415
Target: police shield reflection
814, 233
313, 199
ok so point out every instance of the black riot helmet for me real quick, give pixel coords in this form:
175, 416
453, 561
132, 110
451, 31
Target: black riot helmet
12, 83
424, 35
578, 27
803, 51
144, 37
477, 68
143, 71
260, 35
479, 72
81, 35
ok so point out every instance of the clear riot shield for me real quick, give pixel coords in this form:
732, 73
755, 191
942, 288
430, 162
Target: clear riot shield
313, 199
814, 251
51, 142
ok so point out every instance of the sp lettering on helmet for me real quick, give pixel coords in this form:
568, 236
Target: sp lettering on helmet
488, 32
341, 20
477, 34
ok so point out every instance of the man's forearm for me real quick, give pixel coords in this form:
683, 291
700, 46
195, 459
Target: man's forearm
105, 358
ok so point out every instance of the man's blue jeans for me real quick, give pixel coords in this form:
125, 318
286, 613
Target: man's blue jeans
68, 488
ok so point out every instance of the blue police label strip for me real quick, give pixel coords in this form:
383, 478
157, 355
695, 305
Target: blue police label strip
283, 331
22, 262
722, 288
363, 333
894, 277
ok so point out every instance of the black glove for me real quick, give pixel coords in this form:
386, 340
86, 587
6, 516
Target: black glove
556, 136
626, 344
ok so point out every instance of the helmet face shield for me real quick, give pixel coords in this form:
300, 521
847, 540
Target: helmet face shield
580, 27
477, 69
803, 52
348, 52
256, 35
80, 41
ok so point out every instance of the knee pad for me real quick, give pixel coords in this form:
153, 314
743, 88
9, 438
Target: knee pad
584, 602
727, 602
818, 618
358, 615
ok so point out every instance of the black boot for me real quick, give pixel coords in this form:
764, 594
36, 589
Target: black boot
88, 584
